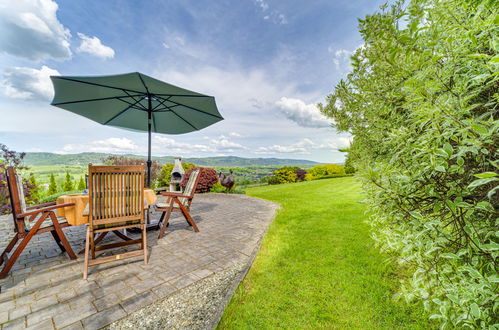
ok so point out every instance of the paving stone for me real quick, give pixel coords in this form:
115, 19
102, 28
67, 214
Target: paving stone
106, 301
65, 319
44, 325
19, 323
43, 303
164, 290
4, 317
202, 273
104, 317
132, 304
47, 313
74, 326
19, 312
6, 305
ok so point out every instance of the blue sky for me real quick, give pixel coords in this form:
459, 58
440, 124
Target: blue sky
268, 63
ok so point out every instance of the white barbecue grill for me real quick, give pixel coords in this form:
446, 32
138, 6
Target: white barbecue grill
177, 175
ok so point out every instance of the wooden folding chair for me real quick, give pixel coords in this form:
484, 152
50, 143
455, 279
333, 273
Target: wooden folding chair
183, 201
42, 216
116, 201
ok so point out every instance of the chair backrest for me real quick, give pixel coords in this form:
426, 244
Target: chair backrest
116, 194
17, 199
190, 187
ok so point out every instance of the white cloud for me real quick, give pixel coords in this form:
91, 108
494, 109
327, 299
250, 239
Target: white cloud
171, 146
28, 83
341, 57
272, 15
112, 145
30, 30
236, 135
93, 46
306, 115
223, 143
304, 146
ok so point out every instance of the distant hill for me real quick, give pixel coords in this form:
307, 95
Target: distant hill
47, 158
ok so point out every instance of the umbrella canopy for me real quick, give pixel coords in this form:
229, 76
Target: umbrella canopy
137, 102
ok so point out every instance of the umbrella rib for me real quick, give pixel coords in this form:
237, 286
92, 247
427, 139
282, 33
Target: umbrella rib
120, 113
92, 100
143, 83
133, 105
184, 95
206, 113
100, 85
133, 97
160, 103
197, 129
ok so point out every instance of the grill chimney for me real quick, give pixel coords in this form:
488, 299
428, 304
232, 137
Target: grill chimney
177, 175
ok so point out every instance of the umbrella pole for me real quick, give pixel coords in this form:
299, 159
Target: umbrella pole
149, 120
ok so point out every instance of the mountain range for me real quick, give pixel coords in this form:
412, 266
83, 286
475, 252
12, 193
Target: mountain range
85, 158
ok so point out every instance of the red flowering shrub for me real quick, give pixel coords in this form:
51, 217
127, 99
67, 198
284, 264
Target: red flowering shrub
208, 177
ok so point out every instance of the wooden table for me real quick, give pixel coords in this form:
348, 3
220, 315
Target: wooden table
75, 215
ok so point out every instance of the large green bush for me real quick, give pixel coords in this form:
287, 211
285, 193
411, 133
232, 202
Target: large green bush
326, 171
421, 103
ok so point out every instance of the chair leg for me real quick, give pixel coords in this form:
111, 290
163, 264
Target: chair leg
17, 252
87, 248
8, 249
165, 218
57, 240
188, 217
93, 243
164, 224
144, 243
62, 237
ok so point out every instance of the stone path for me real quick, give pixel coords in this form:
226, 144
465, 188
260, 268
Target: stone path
46, 290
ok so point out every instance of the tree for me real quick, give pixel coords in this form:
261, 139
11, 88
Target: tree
68, 185
81, 184
349, 167
421, 103
35, 189
52, 185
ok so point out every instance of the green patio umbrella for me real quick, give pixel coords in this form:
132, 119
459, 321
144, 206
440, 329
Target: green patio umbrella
137, 102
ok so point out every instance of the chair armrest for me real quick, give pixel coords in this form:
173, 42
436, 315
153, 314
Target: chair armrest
174, 194
40, 206
45, 209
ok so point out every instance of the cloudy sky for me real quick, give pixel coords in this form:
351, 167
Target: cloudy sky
267, 62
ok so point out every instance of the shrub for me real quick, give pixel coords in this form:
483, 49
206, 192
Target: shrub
284, 175
300, 174
208, 177
326, 170
166, 173
422, 104
122, 160
14, 159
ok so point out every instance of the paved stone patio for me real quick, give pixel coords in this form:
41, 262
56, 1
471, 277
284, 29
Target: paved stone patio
46, 289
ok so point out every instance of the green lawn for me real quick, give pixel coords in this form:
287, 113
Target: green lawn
318, 267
